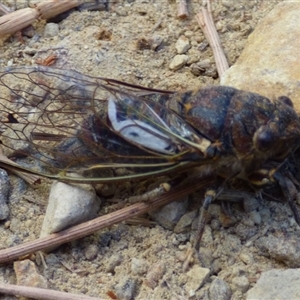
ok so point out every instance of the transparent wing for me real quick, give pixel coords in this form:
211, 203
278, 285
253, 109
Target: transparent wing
66, 121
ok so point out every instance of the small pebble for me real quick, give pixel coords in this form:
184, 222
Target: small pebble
51, 30
69, 205
215, 211
52, 259
154, 274
255, 217
250, 204
27, 274
185, 222
265, 213
127, 288
245, 232
121, 11
226, 220
205, 256
247, 258
169, 215
189, 34
219, 290
228, 3
91, 252
139, 266
4, 194
30, 51
194, 56
197, 277
115, 260
240, 283
182, 45
178, 62
156, 41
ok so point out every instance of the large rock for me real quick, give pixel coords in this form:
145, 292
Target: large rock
276, 284
269, 64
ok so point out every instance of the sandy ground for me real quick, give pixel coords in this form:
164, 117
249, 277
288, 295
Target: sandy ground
111, 44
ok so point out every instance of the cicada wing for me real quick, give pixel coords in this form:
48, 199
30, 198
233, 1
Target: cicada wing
153, 126
58, 118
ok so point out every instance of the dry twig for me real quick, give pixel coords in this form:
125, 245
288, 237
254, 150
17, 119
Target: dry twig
182, 9
205, 21
42, 294
29, 178
102, 222
4, 9
19, 19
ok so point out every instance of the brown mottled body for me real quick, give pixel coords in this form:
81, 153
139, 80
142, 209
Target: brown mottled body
67, 121
246, 129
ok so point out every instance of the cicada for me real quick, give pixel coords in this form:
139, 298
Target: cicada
65, 122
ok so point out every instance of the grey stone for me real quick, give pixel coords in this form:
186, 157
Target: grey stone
205, 256
91, 252
185, 222
114, 261
28, 275
219, 290
51, 30
155, 273
194, 56
182, 45
169, 215
197, 276
286, 250
246, 257
276, 284
156, 41
4, 194
250, 204
178, 62
69, 205
240, 283
268, 64
255, 217
138, 266
127, 288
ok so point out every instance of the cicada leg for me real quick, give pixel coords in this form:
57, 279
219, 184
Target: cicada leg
211, 194
209, 197
286, 181
148, 196
290, 192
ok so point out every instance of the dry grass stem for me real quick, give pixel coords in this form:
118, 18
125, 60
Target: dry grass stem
41, 294
182, 9
29, 178
206, 23
102, 222
51, 8
19, 19
4, 9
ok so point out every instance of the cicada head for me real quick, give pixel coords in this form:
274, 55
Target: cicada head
281, 134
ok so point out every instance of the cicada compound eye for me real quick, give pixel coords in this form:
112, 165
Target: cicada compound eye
264, 140
286, 100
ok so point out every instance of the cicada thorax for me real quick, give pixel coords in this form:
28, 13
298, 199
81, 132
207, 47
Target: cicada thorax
245, 129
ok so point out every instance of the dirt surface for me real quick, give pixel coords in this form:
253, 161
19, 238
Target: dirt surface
134, 41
